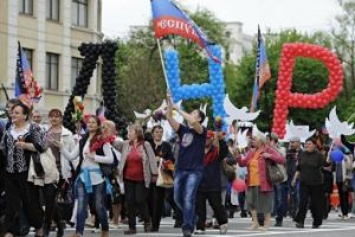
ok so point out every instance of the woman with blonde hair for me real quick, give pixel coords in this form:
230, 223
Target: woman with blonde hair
259, 188
108, 130
138, 169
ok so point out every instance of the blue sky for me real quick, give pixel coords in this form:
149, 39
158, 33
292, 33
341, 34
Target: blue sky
305, 15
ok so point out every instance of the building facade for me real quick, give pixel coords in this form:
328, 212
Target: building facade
239, 43
50, 32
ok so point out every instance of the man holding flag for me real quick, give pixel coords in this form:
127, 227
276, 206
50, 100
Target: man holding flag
170, 19
262, 73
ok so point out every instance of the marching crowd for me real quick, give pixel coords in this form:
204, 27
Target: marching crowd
51, 177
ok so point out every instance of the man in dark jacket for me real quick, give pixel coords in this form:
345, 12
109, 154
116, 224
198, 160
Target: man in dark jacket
210, 187
292, 155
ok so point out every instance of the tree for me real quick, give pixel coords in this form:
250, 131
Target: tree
142, 83
309, 76
343, 39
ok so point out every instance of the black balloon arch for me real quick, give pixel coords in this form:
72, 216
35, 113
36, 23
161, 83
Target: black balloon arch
91, 53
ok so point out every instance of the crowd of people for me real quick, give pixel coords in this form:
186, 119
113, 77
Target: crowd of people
95, 174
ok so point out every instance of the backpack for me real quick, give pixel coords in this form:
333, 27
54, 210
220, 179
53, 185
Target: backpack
109, 169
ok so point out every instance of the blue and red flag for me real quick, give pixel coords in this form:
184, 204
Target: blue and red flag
262, 72
26, 85
170, 19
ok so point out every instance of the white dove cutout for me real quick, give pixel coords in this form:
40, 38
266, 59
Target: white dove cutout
336, 128
162, 107
151, 123
204, 110
238, 114
242, 139
168, 131
144, 115
301, 131
148, 113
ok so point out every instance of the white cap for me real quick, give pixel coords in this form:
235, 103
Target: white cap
258, 134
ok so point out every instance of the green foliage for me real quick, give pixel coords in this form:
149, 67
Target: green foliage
343, 42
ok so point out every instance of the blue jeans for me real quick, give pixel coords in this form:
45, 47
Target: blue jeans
99, 194
281, 193
185, 190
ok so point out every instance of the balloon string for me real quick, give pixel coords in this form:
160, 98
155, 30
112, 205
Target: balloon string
330, 149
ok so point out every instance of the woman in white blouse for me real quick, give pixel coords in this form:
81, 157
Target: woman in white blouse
91, 150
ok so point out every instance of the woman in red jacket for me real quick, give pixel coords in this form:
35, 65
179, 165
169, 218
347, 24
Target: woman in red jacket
259, 189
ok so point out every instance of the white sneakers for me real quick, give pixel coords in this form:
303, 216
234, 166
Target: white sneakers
199, 232
223, 229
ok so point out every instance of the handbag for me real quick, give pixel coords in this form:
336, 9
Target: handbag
276, 173
35, 156
37, 165
165, 178
65, 200
49, 165
347, 186
229, 170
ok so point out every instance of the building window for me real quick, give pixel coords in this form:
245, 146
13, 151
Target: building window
76, 65
26, 7
79, 13
29, 57
52, 69
52, 10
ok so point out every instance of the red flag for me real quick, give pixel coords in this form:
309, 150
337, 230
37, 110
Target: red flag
170, 19
262, 72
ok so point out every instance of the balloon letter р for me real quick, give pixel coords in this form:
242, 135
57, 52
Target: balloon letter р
215, 89
285, 99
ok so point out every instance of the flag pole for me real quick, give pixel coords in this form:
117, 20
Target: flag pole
162, 64
254, 99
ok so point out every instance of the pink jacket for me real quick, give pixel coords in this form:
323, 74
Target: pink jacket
265, 185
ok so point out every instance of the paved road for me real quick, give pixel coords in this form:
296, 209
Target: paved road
332, 227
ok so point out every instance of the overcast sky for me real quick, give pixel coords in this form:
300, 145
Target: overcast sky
305, 15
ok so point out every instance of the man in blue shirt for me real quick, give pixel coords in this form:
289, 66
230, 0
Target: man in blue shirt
189, 165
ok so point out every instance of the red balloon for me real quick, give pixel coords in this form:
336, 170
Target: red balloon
285, 99
239, 185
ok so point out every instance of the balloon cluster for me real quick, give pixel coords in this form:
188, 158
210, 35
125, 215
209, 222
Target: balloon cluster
91, 53
109, 86
215, 88
285, 99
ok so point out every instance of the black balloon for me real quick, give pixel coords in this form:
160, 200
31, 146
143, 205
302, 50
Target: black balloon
91, 52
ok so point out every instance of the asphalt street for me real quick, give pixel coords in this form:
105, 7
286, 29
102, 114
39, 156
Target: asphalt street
333, 226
